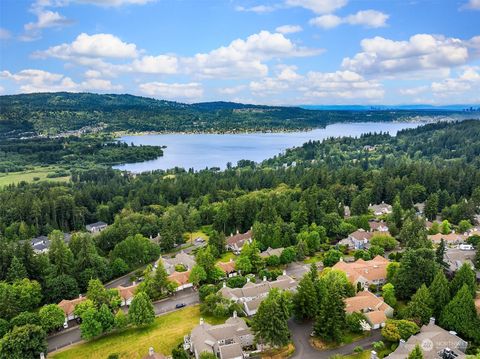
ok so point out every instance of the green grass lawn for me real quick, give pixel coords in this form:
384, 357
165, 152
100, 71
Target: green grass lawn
363, 355
163, 335
226, 257
191, 236
318, 257
29, 175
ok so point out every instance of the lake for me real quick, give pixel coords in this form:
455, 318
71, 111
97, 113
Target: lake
199, 151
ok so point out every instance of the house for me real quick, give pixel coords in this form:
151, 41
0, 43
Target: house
182, 279
153, 355
181, 259
451, 238
380, 209
374, 308
359, 239
225, 341
96, 227
271, 252
40, 244
68, 307
235, 242
251, 294
420, 207
378, 226
228, 268
372, 272
127, 293
435, 343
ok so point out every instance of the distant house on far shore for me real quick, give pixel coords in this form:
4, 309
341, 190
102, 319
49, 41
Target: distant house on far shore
96, 227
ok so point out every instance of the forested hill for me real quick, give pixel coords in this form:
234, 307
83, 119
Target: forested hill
53, 113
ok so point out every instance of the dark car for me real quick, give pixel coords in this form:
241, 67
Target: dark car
180, 305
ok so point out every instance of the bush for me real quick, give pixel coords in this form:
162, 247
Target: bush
354, 322
358, 349
113, 356
236, 282
378, 346
273, 261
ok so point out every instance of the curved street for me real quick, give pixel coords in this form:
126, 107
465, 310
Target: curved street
303, 349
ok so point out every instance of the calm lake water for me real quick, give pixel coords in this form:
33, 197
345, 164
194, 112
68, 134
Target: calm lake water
199, 151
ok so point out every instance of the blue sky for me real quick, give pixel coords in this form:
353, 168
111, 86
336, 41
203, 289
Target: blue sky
257, 51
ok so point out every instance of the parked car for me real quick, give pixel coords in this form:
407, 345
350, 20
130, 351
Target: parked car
180, 305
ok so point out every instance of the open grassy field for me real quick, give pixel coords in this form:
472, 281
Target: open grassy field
30, 176
163, 335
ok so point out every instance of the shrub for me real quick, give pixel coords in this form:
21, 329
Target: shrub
358, 349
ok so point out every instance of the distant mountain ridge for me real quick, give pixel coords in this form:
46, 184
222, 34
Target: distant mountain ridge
64, 112
453, 107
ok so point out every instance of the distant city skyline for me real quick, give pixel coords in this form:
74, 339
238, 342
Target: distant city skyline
288, 52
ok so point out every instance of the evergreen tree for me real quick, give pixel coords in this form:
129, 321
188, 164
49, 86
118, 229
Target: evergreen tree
198, 275
420, 307
313, 273
270, 322
414, 234
331, 317
141, 310
397, 213
440, 254
417, 267
121, 319
465, 275
440, 293
16, 271
60, 255
416, 353
431, 206
460, 315
305, 299
217, 240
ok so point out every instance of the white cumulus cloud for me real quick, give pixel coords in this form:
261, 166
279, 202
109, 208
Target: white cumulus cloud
289, 29
173, 91
318, 6
367, 18
420, 52
162, 64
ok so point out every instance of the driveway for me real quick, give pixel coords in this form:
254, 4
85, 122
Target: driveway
303, 349
72, 335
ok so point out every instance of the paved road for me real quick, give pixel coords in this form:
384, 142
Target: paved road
72, 335
303, 349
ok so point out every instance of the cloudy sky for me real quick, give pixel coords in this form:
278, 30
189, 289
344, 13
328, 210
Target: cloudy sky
256, 51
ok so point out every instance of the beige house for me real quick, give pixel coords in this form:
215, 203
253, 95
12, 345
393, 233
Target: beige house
380, 209
235, 242
364, 272
127, 293
226, 341
451, 238
374, 308
435, 343
251, 294
182, 279
68, 307
181, 259
271, 252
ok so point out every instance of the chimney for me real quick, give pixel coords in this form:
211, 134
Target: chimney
151, 352
238, 231
201, 321
42, 355
248, 279
264, 278
234, 313
432, 321
284, 272
224, 284
365, 289
231, 260
373, 355
402, 343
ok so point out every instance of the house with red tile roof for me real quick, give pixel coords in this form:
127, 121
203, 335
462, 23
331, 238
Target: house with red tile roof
228, 268
182, 279
68, 306
127, 293
366, 273
374, 308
